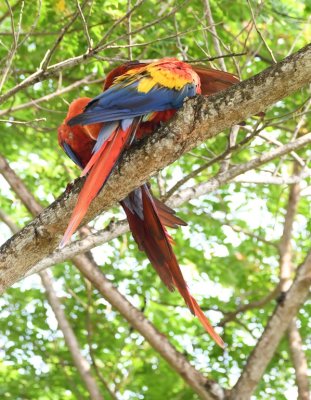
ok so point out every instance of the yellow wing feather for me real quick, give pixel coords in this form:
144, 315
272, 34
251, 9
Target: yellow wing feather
169, 73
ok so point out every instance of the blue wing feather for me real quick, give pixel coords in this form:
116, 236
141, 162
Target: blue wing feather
122, 102
71, 154
104, 135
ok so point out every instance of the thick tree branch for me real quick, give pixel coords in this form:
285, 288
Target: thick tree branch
273, 333
116, 229
284, 247
19, 188
286, 269
201, 385
199, 120
258, 361
299, 361
81, 363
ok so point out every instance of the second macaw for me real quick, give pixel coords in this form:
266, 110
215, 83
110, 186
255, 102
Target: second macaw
133, 105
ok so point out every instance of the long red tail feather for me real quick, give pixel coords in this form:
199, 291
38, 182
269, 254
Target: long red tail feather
207, 325
152, 237
106, 158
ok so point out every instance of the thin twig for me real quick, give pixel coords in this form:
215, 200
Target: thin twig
218, 57
14, 122
15, 35
166, 38
118, 22
85, 27
181, 48
42, 74
6, 14
276, 142
129, 31
87, 80
232, 138
47, 58
208, 14
90, 330
221, 156
33, 26
259, 33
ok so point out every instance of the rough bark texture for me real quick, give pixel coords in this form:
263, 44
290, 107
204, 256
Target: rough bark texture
80, 362
286, 269
116, 229
285, 248
299, 361
82, 365
199, 120
201, 385
274, 331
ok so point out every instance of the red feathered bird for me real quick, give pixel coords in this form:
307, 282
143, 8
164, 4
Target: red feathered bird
78, 144
131, 107
212, 81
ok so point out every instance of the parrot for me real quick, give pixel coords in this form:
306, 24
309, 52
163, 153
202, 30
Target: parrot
147, 216
78, 144
137, 97
150, 93
212, 81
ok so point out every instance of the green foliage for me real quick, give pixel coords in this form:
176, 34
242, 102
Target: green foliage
226, 267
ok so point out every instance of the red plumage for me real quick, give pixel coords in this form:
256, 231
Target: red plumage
146, 215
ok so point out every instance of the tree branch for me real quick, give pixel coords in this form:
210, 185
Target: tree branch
299, 361
81, 363
44, 73
285, 246
59, 92
273, 333
201, 118
201, 385
258, 361
286, 270
209, 16
205, 388
116, 229
230, 316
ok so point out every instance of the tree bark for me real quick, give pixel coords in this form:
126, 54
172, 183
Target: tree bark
299, 361
201, 385
286, 269
275, 329
82, 365
201, 118
116, 229
273, 333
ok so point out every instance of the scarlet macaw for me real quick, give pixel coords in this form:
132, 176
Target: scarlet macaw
133, 105
147, 94
146, 215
